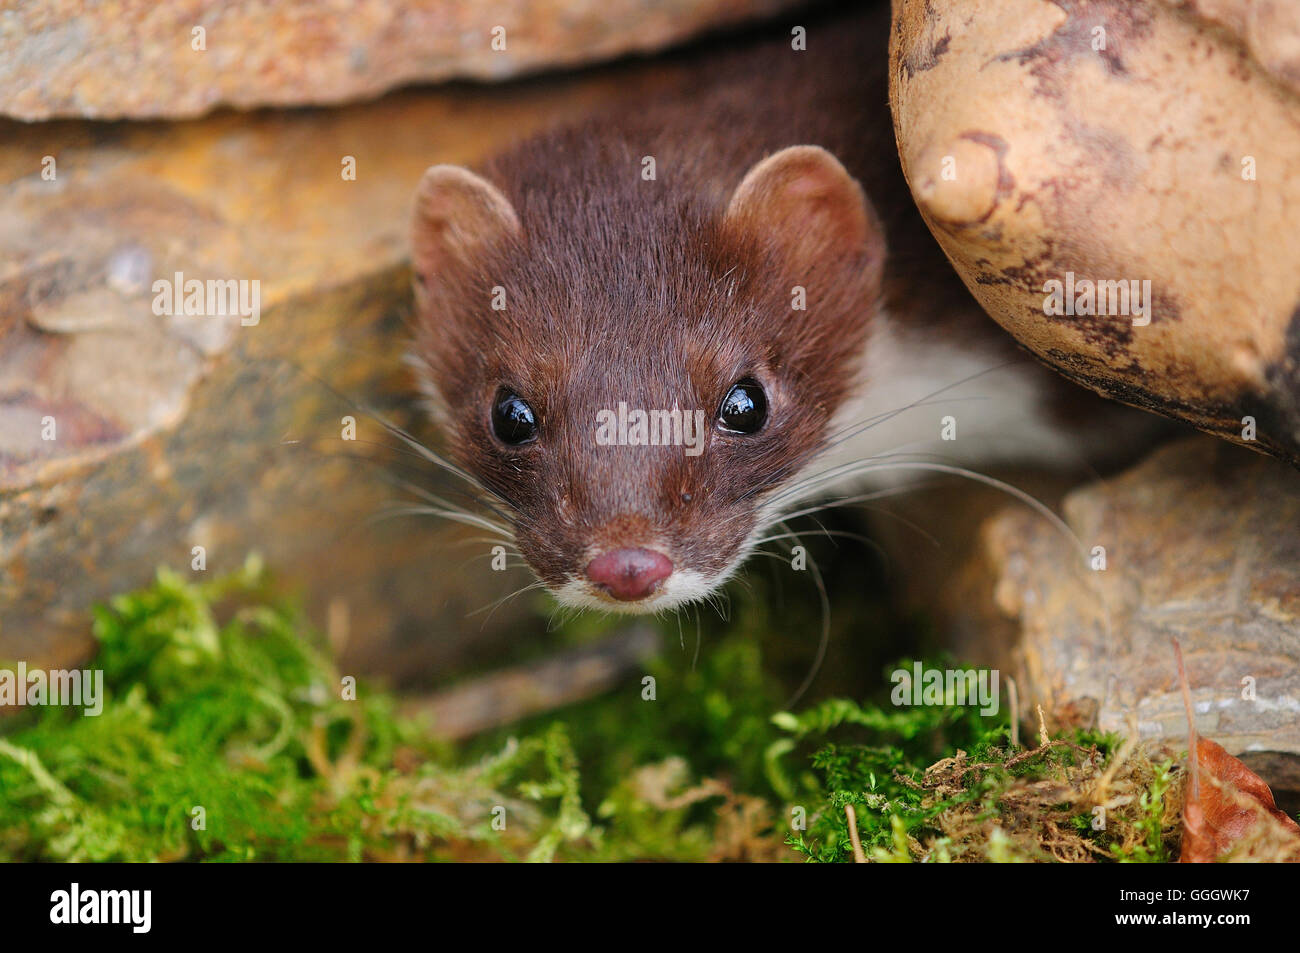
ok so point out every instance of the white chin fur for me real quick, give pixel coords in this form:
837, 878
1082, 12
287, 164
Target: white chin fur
682, 587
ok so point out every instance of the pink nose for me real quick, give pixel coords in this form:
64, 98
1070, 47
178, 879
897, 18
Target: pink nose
629, 574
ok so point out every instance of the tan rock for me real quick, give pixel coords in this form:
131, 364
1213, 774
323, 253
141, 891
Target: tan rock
1270, 29
1202, 544
1121, 141
138, 58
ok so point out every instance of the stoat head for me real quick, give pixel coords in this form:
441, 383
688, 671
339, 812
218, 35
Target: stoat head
633, 368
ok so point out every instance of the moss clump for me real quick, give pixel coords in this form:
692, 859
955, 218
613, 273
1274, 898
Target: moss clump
227, 735
1085, 798
233, 741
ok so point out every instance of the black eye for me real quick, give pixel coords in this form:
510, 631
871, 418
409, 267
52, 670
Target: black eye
744, 409
513, 420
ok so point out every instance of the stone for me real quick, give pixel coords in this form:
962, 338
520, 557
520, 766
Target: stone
1131, 146
1201, 544
1269, 29
139, 59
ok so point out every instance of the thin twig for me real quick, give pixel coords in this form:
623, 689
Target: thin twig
1193, 743
1015, 712
858, 856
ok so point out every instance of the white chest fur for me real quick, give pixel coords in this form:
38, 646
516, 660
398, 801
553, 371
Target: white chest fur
973, 403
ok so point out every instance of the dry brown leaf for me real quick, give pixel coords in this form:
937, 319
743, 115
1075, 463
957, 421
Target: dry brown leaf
1226, 801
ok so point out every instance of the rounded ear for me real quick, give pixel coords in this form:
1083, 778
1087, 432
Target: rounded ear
808, 206
457, 214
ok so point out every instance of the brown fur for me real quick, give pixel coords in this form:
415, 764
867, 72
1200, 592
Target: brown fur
652, 293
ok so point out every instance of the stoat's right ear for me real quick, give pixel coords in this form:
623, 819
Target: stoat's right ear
457, 215
803, 202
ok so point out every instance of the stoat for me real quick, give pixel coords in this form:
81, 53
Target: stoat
649, 335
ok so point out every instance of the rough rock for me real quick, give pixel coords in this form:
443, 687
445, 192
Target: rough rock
1202, 544
138, 58
1269, 29
1121, 141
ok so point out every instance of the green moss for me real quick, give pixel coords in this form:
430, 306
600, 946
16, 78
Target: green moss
1151, 823
877, 778
221, 706
246, 721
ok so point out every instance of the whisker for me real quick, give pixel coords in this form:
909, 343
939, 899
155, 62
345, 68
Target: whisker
824, 641
925, 400
699, 638
801, 489
384, 473
420, 449
851, 430
502, 601
859, 498
468, 519
476, 497
1032, 502
824, 532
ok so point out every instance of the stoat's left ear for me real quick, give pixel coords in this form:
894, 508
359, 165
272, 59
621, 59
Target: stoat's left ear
457, 215
804, 201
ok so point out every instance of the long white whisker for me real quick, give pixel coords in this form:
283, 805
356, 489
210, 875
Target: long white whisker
699, 638
491, 609
860, 498
925, 400
469, 519
1033, 503
852, 430
824, 640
